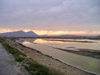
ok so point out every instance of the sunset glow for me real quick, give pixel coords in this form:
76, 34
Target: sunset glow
46, 32
51, 17
43, 32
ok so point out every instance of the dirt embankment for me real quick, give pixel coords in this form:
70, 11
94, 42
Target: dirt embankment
47, 60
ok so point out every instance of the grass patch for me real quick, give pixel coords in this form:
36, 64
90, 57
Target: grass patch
31, 66
35, 68
19, 56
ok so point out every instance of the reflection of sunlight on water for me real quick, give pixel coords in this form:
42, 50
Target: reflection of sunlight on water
65, 45
60, 44
84, 62
25, 42
46, 47
41, 41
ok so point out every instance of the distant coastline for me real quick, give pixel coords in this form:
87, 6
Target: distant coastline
30, 34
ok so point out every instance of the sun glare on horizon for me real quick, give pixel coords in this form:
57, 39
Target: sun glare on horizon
46, 32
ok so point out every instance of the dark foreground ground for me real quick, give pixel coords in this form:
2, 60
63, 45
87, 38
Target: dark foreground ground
8, 66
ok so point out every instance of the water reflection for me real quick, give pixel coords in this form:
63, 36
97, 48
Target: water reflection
84, 62
65, 45
42, 41
28, 40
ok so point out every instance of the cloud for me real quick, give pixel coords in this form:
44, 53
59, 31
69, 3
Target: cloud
75, 11
59, 14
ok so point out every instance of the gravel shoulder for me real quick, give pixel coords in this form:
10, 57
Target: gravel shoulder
8, 66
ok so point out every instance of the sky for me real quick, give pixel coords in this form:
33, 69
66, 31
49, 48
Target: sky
51, 17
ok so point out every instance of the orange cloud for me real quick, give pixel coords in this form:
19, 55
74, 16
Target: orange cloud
42, 32
5, 30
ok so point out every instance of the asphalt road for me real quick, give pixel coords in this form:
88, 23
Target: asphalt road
8, 66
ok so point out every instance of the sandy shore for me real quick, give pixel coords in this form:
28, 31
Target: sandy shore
48, 60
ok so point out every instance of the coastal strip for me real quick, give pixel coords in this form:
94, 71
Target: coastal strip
47, 60
31, 66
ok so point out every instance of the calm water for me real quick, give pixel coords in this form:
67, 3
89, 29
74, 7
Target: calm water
83, 62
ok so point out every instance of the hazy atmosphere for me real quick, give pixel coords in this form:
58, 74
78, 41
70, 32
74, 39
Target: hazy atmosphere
51, 17
49, 37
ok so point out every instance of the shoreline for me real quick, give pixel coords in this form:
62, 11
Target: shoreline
84, 52
53, 62
67, 64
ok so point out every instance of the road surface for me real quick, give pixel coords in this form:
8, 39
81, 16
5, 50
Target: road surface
8, 66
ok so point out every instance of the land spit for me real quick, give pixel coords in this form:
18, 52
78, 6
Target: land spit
47, 60
84, 52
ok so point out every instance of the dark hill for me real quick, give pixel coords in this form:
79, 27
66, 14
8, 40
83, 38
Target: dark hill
19, 34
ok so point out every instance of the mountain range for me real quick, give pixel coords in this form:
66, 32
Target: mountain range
19, 34
33, 34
